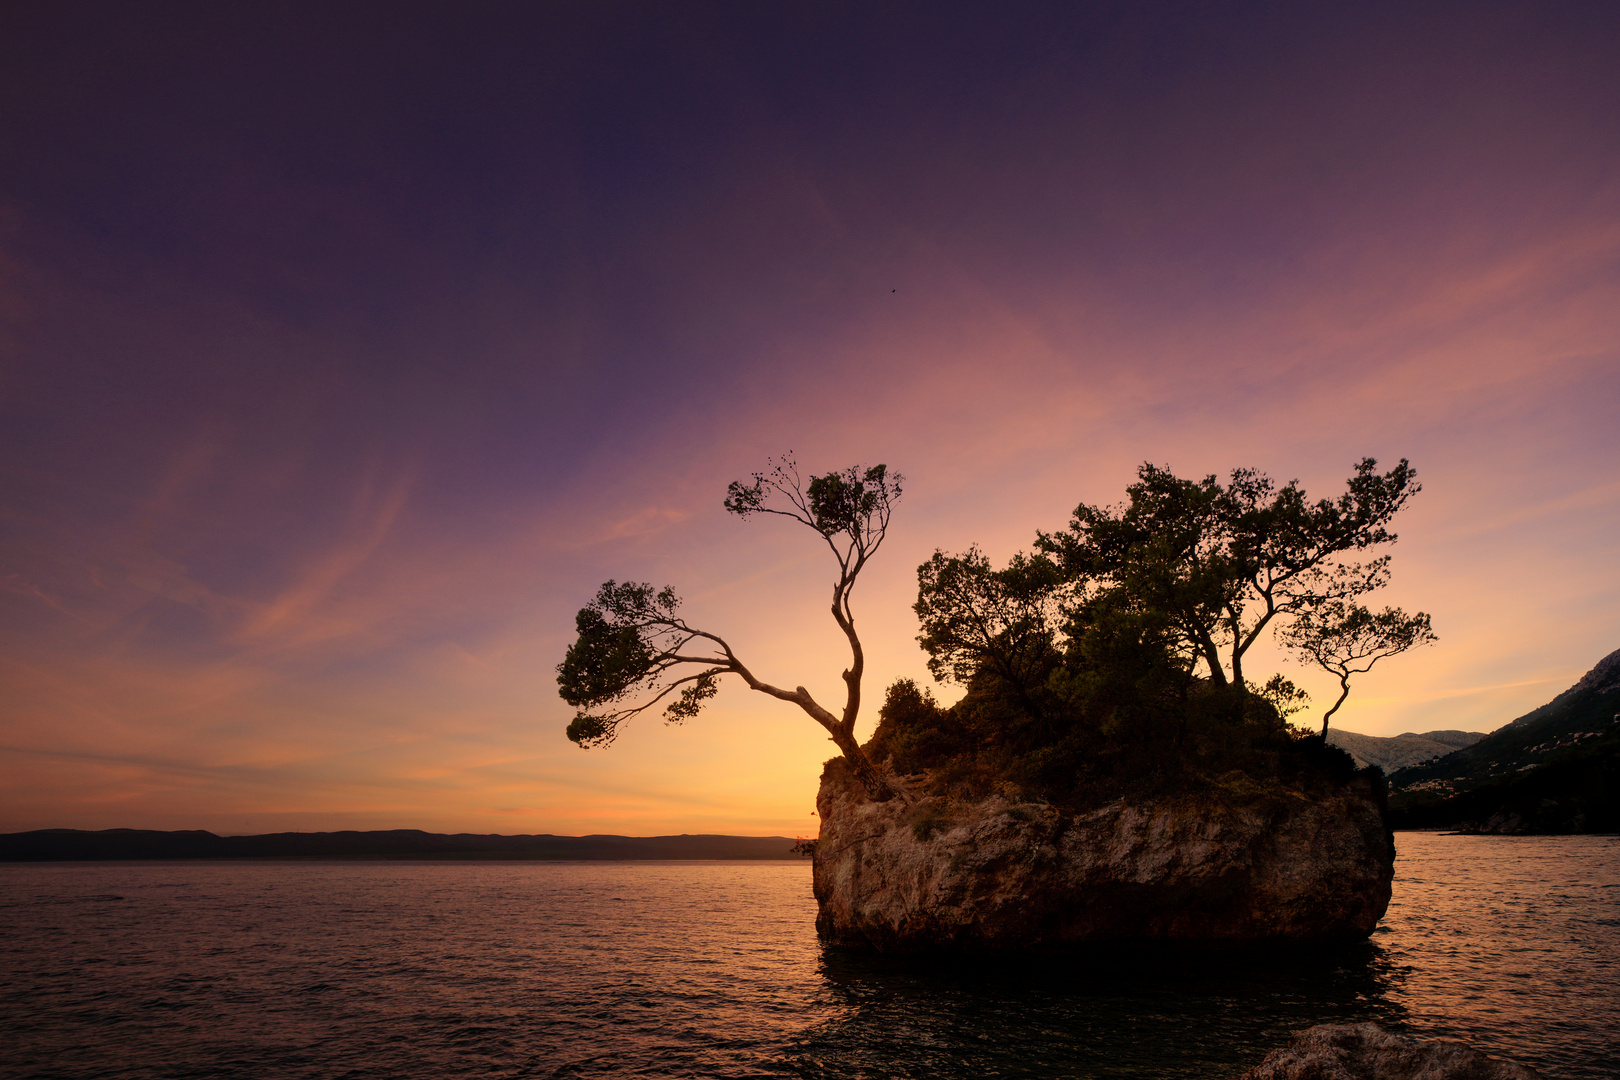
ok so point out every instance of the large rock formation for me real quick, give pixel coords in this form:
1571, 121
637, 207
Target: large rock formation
1367, 1052
1244, 864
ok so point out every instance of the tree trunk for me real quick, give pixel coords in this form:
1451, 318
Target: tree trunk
1344, 692
872, 780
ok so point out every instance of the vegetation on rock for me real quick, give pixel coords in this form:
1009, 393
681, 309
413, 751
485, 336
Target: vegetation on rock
1109, 661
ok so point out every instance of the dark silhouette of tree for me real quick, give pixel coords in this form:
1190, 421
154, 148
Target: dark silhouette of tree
1347, 639
1114, 655
634, 650
978, 621
1222, 561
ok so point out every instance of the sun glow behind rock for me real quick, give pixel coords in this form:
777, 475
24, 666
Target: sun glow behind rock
315, 443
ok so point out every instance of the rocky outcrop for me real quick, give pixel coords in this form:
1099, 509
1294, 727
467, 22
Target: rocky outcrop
1268, 865
1367, 1052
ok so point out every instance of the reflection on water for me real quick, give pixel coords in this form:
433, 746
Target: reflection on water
713, 970
1511, 943
1160, 1016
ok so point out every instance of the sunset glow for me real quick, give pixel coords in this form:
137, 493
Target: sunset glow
334, 378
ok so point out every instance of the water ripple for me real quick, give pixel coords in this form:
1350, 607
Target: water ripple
585, 970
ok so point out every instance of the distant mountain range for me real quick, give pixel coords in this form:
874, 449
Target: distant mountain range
1555, 769
50, 845
1397, 751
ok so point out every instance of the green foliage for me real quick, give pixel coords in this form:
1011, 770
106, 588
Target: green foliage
976, 618
929, 819
691, 699
914, 732
853, 504
587, 730
629, 641
1220, 562
1281, 694
1110, 661
633, 649
614, 648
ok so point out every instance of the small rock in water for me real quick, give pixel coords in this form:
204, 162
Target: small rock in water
1368, 1052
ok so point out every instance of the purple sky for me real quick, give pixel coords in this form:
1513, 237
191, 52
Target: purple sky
345, 349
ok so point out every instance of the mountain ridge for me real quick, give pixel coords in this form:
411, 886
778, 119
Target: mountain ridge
1556, 769
1390, 752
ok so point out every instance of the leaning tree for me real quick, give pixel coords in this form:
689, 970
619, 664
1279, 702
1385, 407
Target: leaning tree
1347, 639
635, 650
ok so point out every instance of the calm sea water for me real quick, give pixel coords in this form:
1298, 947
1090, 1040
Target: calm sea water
412, 970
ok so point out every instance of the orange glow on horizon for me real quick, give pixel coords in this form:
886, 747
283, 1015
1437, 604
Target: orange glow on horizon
318, 436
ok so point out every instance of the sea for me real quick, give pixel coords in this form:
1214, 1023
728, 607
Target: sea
713, 969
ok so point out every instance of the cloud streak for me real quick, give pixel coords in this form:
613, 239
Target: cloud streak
322, 418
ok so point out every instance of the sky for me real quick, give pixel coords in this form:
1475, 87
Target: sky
346, 349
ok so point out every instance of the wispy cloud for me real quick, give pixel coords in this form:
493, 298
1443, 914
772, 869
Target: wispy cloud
301, 614
645, 522
311, 454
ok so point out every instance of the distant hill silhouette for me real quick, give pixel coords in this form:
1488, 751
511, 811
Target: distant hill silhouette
1397, 751
1555, 769
46, 845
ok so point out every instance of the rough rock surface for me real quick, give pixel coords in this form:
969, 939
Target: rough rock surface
1367, 1052
934, 872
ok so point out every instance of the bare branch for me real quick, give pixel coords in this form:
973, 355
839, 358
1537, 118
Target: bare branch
1347, 639
631, 644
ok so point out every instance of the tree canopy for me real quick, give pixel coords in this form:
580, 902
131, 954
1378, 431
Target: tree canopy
977, 620
1222, 561
634, 649
1111, 655
1118, 645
